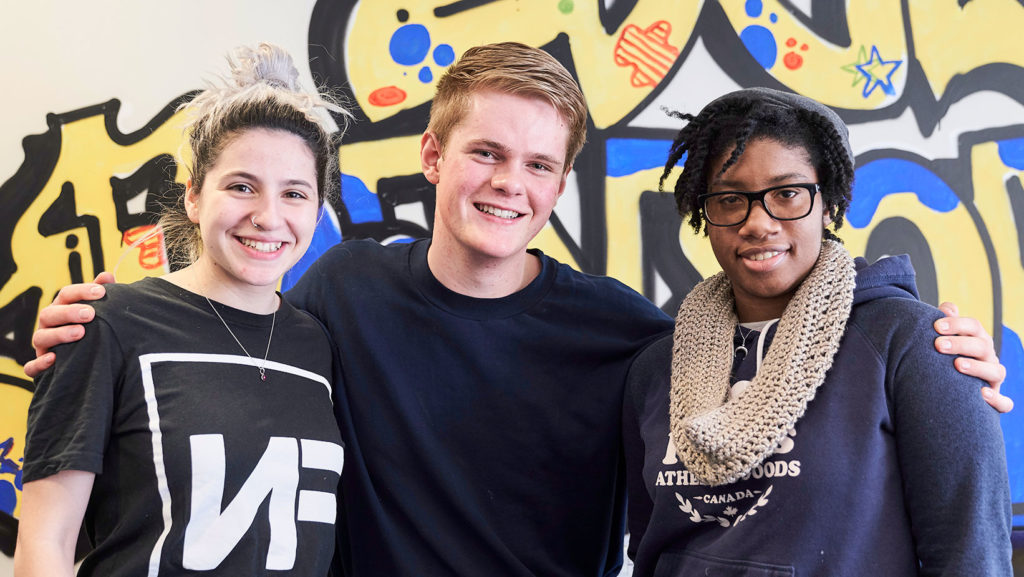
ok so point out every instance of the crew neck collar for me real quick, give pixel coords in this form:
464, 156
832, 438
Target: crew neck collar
479, 308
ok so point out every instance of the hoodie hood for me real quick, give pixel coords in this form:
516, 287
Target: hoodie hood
891, 276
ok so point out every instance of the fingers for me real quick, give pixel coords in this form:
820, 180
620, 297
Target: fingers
58, 315
59, 322
964, 326
979, 349
999, 402
108, 278
81, 292
950, 309
992, 373
39, 364
45, 339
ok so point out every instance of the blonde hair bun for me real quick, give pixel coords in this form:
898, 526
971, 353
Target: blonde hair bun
261, 91
266, 63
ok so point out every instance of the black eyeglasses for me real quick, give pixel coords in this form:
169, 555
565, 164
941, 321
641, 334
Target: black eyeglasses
785, 202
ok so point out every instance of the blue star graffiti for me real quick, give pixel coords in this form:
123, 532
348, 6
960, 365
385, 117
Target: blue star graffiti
876, 70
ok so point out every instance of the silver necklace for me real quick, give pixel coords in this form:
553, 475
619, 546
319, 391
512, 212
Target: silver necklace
743, 345
273, 319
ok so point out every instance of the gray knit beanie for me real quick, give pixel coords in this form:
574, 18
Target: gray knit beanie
785, 100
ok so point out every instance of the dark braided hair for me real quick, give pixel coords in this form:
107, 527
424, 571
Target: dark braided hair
732, 122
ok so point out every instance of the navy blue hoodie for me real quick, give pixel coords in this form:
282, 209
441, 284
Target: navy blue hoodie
896, 468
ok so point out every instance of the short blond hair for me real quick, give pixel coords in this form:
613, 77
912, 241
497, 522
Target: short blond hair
511, 68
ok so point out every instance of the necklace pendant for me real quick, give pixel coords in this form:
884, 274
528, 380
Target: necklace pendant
740, 349
273, 319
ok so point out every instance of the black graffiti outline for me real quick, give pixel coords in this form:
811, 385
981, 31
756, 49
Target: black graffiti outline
42, 152
728, 51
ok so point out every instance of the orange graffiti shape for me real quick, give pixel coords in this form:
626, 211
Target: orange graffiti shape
387, 96
647, 51
150, 243
792, 60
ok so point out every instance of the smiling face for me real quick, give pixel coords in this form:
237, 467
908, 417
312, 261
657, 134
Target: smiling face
266, 176
498, 178
766, 259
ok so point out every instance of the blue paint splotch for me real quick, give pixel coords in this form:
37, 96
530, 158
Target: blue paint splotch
1011, 355
875, 180
760, 42
753, 8
444, 55
410, 44
773, 17
9, 489
627, 156
1011, 152
325, 236
425, 75
7, 465
362, 205
8, 497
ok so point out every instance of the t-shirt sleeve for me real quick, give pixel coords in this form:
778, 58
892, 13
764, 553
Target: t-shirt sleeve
951, 456
72, 408
308, 293
645, 372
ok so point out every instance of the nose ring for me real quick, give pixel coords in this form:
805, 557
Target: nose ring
252, 219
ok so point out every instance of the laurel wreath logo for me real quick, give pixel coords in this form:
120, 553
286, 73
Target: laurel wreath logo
696, 517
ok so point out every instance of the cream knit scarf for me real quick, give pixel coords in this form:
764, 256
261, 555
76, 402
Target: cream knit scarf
721, 441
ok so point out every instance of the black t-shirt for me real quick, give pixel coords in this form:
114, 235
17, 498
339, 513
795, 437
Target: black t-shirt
200, 465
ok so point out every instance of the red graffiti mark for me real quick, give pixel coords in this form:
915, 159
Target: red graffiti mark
387, 96
791, 42
804, 47
151, 247
647, 51
792, 60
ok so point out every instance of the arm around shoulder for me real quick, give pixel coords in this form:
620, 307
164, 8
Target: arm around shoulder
58, 322
966, 337
951, 456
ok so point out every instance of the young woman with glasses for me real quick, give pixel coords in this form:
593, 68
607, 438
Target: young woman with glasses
799, 420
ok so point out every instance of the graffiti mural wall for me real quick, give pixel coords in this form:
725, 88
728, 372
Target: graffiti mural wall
88, 148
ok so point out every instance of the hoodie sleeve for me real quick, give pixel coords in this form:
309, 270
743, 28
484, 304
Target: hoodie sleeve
647, 378
949, 446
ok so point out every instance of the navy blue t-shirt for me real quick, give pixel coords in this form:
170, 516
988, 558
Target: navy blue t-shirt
482, 435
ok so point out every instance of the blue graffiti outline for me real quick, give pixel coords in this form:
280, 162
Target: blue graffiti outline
876, 81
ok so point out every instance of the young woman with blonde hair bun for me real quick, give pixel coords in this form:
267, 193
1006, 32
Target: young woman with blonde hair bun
191, 429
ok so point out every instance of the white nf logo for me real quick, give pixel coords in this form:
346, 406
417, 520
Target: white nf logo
211, 534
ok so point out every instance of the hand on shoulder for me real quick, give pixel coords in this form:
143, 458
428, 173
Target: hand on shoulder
60, 322
966, 337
